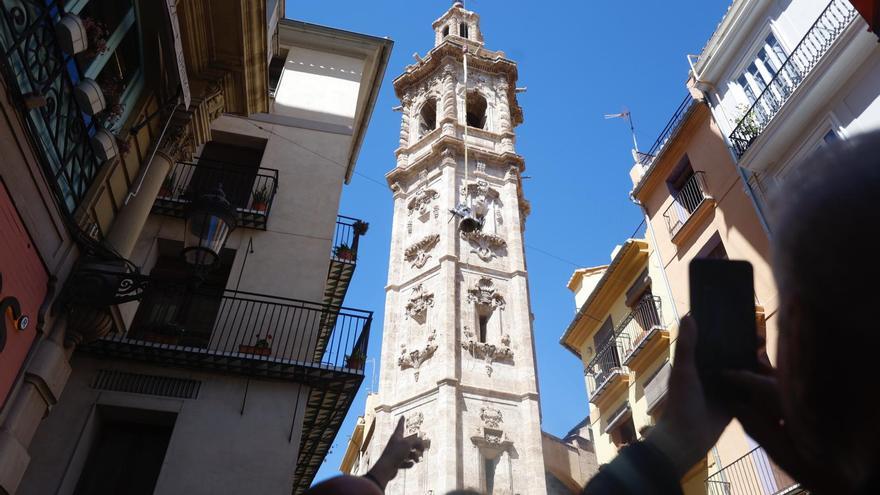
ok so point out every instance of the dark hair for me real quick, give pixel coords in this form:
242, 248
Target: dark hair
825, 217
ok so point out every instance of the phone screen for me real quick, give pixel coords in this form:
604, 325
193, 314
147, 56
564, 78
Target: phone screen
723, 307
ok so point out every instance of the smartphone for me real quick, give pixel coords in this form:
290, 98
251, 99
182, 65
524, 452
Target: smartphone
723, 307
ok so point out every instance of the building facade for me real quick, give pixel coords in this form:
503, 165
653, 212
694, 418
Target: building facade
458, 357
198, 261
784, 77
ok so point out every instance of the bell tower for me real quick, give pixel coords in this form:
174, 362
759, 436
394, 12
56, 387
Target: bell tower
458, 357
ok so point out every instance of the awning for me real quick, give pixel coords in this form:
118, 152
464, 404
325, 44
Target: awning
870, 11
618, 417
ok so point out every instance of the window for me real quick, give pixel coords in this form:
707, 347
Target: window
755, 78
483, 321
445, 31
476, 110
463, 30
276, 69
489, 466
713, 249
428, 117
127, 455
232, 166
624, 434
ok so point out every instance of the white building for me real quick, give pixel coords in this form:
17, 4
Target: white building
785, 76
237, 384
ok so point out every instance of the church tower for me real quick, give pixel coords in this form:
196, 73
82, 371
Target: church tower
458, 359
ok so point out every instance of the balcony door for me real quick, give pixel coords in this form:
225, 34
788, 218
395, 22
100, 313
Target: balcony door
175, 310
233, 166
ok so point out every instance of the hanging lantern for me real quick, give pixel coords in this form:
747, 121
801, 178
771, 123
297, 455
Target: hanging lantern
209, 220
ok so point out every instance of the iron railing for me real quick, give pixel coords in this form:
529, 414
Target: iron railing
235, 328
250, 190
751, 474
34, 66
685, 202
647, 159
604, 365
805, 56
637, 324
346, 238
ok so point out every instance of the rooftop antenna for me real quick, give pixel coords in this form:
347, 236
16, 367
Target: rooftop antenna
626, 115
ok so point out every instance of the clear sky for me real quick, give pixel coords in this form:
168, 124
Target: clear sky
580, 60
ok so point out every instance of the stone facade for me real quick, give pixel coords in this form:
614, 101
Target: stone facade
458, 353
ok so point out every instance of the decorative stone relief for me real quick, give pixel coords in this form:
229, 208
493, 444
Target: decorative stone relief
421, 201
417, 254
413, 424
404, 121
491, 417
489, 353
415, 358
485, 294
421, 300
485, 245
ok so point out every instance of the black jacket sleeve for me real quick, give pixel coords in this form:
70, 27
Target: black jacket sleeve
639, 469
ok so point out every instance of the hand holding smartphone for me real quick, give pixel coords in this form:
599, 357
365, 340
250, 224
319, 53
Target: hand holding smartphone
723, 306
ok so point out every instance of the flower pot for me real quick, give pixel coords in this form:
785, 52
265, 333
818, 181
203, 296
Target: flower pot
104, 145
260, 206
89, 96
256, 350
345, 255
71, 34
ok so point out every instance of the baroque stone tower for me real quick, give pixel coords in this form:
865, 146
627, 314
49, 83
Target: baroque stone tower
457, 352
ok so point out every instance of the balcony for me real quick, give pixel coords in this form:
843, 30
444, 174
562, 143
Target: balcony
343, 258
668, 132
606, 377
752, 474
243, 333
692, 200
250, 190
803, 59
641, 336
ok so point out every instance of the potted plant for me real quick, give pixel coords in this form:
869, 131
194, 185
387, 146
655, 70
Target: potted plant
343, 252
167, 189
112, 88
124, 146
97, 34
356, 360
168, 332
261, 199
262, 346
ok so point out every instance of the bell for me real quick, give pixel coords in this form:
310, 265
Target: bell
469, 222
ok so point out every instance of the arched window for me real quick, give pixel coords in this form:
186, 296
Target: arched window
428, 117
476, 110
446, 31
463, 30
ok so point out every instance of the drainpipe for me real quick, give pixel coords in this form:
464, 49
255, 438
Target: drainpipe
656, 250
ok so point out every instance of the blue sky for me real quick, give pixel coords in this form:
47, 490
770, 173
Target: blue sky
579, 60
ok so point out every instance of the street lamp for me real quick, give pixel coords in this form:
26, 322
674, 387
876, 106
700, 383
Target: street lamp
209, 220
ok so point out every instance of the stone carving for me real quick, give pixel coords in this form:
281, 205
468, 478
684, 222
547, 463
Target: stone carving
417, 254
484, 294
449, 92
489, 353
417, 307
415, 358
481, 196
447, 156
422, 200
485, 245
404, 121
413, 424
177, 145
491, 417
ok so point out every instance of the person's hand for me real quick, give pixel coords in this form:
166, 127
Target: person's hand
400, 453
758, 407
690, 424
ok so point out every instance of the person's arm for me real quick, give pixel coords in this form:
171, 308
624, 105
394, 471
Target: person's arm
689, 427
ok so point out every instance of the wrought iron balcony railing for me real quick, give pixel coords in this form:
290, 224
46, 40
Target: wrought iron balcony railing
638, 324
346, 238
647, 159
805, 56
35, 68
250, 190
751, 474
686, 202
604, 365
242, 332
